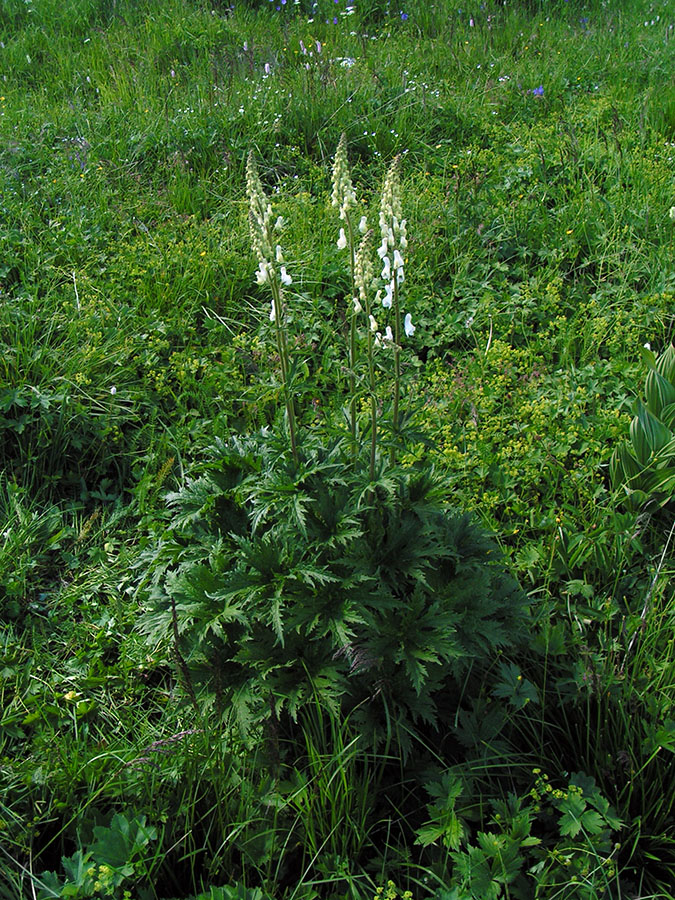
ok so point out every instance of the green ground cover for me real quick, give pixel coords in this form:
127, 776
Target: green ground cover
290, 609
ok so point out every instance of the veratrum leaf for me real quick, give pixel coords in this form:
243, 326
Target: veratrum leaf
659, 392
652, 431
661, 482
665, 364
668, 416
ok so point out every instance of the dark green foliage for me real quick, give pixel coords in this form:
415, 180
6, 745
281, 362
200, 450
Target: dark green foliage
297, 581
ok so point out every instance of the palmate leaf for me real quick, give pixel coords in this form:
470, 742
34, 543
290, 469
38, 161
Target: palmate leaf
193, 502
370, 589
202, 602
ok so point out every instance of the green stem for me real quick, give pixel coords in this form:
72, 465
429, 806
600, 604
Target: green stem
282, 347
373, 397
352, 336
397, 367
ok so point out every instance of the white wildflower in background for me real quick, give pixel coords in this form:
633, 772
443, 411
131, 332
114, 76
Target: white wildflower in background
342, 240
408, 326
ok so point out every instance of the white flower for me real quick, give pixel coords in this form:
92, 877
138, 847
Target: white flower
273, 313
113, 390
400, 277
398, 260
386, 269
373, 323
262, 275
357, 306
388, 335
363, 225
402, 237
285, 277
342, 240
279, 224
382, 249
647, 346
279, 254
672, 213
388, 298
408, 326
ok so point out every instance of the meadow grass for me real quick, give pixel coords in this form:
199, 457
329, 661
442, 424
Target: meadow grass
537, 161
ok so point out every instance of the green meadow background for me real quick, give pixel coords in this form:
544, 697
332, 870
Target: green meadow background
537, 160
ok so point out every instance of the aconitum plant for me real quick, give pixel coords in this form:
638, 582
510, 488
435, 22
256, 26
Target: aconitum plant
287, 578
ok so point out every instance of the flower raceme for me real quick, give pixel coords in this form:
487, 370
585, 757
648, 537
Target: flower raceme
272, 271
271, 268
343, 196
